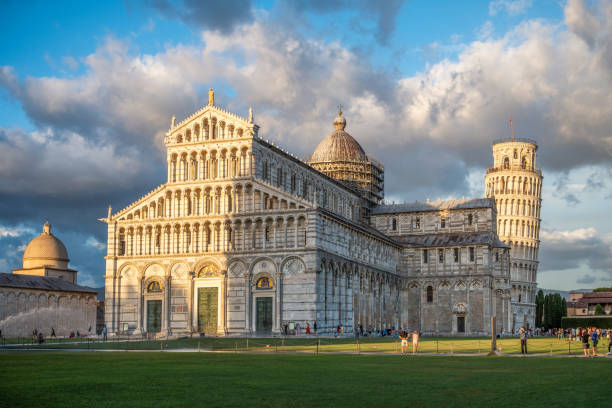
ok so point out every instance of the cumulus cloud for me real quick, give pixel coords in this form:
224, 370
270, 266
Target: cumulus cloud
215, 15
586, 279
570, 249
511, 7
14, 231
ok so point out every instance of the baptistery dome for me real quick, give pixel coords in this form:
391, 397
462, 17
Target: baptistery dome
45, 250
339, 146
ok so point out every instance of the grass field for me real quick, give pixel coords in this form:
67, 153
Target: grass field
541, 345
50, 379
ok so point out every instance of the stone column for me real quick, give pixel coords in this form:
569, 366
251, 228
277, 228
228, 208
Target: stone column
139, 323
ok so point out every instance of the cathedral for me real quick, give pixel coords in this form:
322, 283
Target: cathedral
245, 238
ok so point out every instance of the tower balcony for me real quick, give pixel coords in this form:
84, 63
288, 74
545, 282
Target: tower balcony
514, 168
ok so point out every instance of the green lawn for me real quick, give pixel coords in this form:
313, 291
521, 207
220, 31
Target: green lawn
541, 345
49, 379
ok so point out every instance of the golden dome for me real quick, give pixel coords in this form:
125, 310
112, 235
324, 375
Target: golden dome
339, 146
45, 250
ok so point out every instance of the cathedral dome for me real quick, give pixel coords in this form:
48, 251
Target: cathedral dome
45, 250
338, 146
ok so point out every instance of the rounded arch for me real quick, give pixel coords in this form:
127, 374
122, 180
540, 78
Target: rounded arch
153, 269
262, 264
206, 261
292, 264
237, 268
123, 268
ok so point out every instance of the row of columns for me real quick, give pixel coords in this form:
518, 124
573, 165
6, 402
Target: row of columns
198, 238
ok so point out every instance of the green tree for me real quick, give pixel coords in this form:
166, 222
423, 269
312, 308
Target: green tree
548, 313
564, 303
599, 310
539, 308
602, 290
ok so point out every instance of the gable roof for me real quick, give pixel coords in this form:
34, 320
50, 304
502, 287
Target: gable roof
464, 204
454, 239
40, 283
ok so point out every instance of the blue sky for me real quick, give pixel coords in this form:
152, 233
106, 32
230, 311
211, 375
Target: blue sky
87, 90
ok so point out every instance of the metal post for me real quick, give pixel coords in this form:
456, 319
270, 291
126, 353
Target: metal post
318, 342
247, 345
198, 346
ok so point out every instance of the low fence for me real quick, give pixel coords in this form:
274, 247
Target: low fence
314, 345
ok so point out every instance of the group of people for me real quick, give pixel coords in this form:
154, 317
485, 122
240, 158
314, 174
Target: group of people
297, 329
593, 335
404, 336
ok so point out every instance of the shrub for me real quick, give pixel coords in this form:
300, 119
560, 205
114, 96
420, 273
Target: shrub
574, 322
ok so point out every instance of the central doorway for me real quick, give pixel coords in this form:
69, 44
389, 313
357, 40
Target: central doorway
154, 314
208, 301
264, 315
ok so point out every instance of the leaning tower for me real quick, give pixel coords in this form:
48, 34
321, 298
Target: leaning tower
516, 184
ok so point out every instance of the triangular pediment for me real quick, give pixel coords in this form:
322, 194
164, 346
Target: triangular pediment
215, 113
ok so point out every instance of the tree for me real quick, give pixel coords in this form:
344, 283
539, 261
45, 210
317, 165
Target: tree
539, 301
599, 310
602, 290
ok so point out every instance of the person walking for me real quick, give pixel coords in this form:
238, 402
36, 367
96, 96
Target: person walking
105, 333
415, 342
584, 336
308, 328
594, 340
609, 340
523, 337
403, 336
314, 326
53, 332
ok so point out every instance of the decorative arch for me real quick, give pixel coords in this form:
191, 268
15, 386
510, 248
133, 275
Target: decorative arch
208, 271
123, 268
263, 264
292, 265
206, 261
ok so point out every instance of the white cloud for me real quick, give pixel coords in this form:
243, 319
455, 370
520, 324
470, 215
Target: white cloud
14, 232
46, 162
567, 237
511, 7
94, 243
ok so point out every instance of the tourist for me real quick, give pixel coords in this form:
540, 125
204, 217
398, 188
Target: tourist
314, 326
286, 329
585, 342
338, 331
594, 340
361, 329
104, 332
609, 340
41, 338
523, 337
53, 332
415, 342
297, 329
403, 336
308, 328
